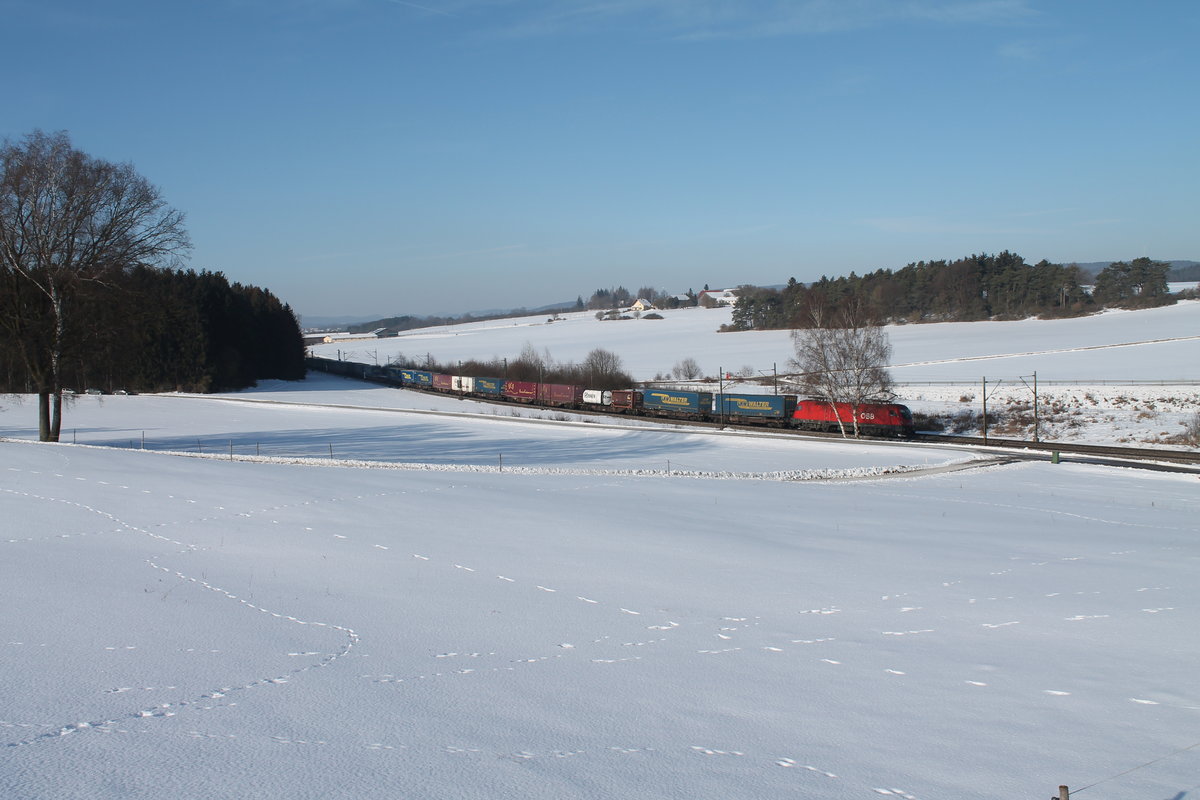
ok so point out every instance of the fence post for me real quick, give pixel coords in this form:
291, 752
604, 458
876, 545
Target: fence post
1063, 794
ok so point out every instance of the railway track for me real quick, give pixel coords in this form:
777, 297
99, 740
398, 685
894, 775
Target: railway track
1093, 451
1146, 454
1099, 451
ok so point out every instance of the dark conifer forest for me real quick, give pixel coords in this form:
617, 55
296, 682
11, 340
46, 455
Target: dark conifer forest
977, 287
151, 329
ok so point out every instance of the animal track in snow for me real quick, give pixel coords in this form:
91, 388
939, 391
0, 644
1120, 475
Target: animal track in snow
791, 762
713, 752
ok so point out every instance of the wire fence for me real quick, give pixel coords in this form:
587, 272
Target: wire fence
1076, 382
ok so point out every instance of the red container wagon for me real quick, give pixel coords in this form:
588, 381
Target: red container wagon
521, 391
559, 394
626, 401
443, 383
874, 419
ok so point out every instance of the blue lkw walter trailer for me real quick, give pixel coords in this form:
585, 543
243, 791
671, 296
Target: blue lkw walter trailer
669, 401
489, 386
416, 377
764, 406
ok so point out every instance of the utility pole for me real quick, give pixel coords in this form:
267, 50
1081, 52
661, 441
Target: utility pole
985, 410
1036, 413
721, 395
1036, 418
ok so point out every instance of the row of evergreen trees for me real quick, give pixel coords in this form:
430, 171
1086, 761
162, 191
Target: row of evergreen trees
150, 329
977, 287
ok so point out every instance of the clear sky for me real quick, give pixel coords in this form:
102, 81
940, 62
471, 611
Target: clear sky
378, 157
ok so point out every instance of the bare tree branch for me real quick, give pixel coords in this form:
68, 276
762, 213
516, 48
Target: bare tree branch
842, 360
67, 219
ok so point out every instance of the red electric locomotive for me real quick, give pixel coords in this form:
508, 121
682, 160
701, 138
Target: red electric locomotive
874, 419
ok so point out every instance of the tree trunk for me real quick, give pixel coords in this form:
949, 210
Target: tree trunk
838, 417
56, 350
55, 415
44, 416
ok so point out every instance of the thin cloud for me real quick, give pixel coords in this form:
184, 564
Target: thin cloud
421, 7
1020, 51
714, 19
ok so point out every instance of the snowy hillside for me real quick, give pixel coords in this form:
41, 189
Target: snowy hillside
1120, 376
584, 623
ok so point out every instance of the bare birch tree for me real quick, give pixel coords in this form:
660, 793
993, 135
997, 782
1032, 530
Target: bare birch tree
66, 221
842, 359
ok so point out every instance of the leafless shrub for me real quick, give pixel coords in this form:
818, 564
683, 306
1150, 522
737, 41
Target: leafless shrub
687, 370
1191, 430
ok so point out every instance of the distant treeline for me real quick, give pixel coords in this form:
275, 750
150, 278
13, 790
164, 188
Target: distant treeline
408, 322
977, 287
150, 329
602, 299
599, 369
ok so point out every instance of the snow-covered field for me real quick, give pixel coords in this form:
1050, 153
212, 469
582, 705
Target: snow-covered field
333, 589
326, 417
207, 627
1120, 376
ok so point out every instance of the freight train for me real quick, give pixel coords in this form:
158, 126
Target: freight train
781, 411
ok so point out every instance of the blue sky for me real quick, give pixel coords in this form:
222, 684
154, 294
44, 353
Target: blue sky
377, 157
